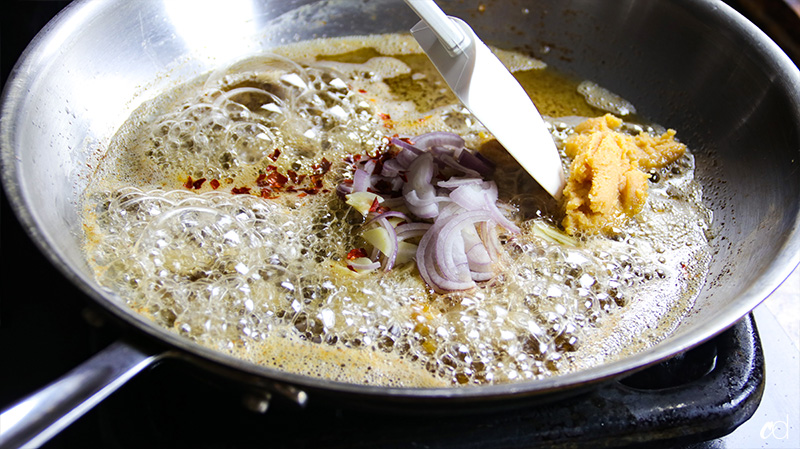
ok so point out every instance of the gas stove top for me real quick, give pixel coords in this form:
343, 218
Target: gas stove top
720, 395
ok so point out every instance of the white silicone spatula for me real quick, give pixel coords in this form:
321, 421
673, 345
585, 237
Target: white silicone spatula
490, 92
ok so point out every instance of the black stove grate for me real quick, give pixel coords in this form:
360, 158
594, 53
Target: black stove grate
700, 395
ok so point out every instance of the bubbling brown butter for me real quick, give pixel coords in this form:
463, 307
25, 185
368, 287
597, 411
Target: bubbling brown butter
215, 214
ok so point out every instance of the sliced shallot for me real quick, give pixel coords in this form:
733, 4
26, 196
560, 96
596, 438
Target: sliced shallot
450, 207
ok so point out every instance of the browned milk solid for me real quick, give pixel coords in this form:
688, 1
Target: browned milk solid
265, 279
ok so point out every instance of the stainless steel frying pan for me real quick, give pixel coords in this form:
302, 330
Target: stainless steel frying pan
693, 65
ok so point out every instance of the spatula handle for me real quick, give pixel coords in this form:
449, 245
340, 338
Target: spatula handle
448, 33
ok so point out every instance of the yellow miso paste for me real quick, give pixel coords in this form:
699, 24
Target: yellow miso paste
215, 214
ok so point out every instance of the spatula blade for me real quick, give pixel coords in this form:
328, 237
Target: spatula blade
492, 94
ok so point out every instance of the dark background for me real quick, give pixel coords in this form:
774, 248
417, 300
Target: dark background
25, 276
40, 312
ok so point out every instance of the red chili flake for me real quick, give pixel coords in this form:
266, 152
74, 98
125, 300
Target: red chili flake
375, 205
261, 180
240, 190
300, 179
199, 183
271, 168
275, 154
214, 184
325, 164
292, 175
350, 267
363, 91
378, 166
356, 253
267, 194
388, 120
302, 194
276, 180
188, 183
